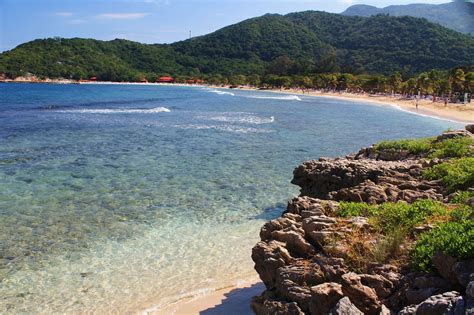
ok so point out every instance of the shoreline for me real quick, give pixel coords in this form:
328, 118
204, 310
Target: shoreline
232, 299
460, 113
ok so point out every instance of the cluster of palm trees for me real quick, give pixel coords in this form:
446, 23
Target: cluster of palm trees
453, 84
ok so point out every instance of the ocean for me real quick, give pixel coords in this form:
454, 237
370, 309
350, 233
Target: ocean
122, 198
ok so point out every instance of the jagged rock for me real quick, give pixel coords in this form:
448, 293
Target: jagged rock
345, 307
283, 223
301, 256
470, 128
293, 292
389, 272
430, 281
303, 274
262, 306
381, 285
440, 304
333, 268
444, 264
454, 133
418, 295
470, 289
364, 297
324, 297
365, 180
268, 257
295, 243
463, 271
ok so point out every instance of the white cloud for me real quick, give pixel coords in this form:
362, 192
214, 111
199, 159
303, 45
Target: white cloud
77, 21
122, 16
64, 14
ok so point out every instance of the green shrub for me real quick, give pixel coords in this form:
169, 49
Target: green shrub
453, 148
455, 239
462, 196
356, 209
414, 146
454, 174
462, 213
390, 216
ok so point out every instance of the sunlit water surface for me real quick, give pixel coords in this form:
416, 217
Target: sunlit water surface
117, 198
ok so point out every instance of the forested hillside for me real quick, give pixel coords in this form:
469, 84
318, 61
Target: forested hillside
297, 43
457, 15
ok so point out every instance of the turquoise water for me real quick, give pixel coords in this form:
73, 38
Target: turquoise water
120, 198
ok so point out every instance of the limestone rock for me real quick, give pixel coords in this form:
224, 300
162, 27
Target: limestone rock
324, 297
463, 271
262, 306
268, 257
364, 297
470, 128
439, 304
345, 307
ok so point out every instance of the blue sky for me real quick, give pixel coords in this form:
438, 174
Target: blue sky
147, 21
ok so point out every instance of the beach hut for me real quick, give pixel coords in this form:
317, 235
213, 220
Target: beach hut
165, 80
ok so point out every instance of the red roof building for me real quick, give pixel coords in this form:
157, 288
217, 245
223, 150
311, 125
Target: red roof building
165, 80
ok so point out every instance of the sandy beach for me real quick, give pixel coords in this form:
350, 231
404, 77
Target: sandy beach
463, 113
229, 301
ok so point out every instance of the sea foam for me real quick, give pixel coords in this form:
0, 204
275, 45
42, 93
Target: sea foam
117, 111
238, 117
222, 92
283, 98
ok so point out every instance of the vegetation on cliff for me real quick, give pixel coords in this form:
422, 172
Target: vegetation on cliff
302, 44
388, 229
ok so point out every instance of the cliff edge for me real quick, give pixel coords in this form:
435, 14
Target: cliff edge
387, 230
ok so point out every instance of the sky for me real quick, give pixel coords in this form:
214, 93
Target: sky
146, 21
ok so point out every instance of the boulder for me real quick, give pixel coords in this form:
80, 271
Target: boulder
262, 306
364, 297
324, 297
439, 304
295, 243
463, 270
444, 264
268, 257
470, 128
345, 307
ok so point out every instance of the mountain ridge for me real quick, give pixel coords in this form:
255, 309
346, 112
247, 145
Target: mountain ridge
457, 15
298, 43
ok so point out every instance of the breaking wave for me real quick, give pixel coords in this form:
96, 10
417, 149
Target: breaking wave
283, 98
227, 128
117, 111
241, 118
222, 92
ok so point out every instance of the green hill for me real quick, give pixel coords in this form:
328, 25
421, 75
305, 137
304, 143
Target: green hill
457, 15
297, 43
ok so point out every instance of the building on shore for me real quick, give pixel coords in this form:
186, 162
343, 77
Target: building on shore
165, 80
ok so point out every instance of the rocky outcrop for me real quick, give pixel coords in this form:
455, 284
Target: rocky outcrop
302, 257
